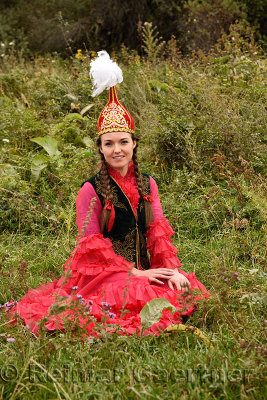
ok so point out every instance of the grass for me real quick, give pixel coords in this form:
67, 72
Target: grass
207, 155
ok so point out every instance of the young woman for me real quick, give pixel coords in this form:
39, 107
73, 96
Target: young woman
109, 275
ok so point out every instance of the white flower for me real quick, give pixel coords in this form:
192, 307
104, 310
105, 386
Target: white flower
11, 43
2, 44
6, 140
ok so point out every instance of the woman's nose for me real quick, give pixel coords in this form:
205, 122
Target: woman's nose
117, 148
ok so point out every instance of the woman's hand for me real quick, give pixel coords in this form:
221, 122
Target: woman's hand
179, 280
154, 274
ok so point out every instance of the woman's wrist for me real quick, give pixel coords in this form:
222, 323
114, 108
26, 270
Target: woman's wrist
136, 272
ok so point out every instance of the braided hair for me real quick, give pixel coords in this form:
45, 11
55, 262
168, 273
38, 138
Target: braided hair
138, 177
106, 191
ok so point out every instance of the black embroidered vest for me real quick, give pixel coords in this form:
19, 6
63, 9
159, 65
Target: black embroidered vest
127, 233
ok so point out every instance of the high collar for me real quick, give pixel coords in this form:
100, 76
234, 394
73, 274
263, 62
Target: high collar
117, 175
127, 184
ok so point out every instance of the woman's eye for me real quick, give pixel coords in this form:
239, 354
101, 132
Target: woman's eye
125, 142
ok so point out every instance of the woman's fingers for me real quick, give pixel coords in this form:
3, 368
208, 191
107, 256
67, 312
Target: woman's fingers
161, 276
180, 284
186, 284
156, 280
183, 286
163, 270
170, 285
178, 281
177, 284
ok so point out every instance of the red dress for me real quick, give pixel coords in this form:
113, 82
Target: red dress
97, 288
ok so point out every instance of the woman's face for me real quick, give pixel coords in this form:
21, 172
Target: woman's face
117, 148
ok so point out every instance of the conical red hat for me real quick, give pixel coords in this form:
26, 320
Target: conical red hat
114, 117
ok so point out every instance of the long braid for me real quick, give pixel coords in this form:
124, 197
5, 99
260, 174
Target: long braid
137, 174
138, 177
106, 193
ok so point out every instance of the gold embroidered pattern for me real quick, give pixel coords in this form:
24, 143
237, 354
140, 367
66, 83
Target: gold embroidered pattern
126, 248
114, 117
143, 253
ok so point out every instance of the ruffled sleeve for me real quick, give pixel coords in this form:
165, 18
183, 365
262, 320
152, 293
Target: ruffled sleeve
94, 254
159, 243
92, 260
85, 198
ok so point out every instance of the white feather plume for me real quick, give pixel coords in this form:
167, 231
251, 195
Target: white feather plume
104, 73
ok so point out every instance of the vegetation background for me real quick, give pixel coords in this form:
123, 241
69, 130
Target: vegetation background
194, 80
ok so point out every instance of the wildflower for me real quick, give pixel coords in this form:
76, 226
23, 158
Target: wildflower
2, 44
10, 339
74, 288
112, 315
105, 306
11, 43
79, 296
7, 141
79, 55
9, 304
236, 274
137, 59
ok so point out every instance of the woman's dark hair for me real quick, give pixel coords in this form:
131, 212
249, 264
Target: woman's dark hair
106, 191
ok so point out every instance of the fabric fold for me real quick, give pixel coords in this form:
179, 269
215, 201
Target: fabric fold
94, 254
159, 243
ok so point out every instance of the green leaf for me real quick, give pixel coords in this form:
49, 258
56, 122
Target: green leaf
87, 108
152, 311
73, 117
191, 329
158, 86
49, 144
38, 164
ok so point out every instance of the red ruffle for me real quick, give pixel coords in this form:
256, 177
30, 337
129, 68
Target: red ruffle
94, 254
128, 184
98, 284
159, 243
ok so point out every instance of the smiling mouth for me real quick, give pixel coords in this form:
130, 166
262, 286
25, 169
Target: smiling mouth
118, 157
